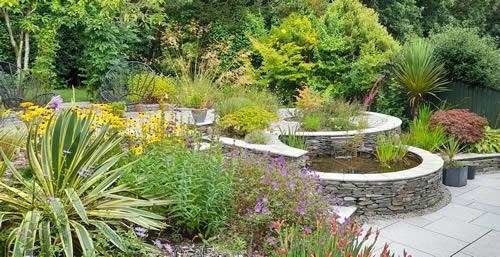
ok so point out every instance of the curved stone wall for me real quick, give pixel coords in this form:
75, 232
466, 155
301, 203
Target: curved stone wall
337, 143
390, 193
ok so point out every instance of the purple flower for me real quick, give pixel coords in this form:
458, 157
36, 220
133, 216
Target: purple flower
84, 172
338, 201
346, 222
265, 210
271, 240
301, 211
258, 208
275, 185
165, 246
55, 102
308, 230
141, 232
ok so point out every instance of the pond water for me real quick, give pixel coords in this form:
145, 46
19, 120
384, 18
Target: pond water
364, 163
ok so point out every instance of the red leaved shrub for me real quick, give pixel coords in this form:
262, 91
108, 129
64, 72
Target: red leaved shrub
466, 126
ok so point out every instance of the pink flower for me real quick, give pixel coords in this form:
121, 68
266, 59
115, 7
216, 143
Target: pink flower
55, 102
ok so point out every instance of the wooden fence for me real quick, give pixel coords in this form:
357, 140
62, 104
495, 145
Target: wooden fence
481, 100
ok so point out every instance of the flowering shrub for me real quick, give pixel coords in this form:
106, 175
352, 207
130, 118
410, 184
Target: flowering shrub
466, 126
267, 189
327, 239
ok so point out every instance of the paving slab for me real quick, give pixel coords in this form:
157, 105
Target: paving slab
457, 211
485, 195
486, 246
397, 249
423, 240
485, 207
461, 254
418, 221
488, 220
458, 229
456, 191
462, 201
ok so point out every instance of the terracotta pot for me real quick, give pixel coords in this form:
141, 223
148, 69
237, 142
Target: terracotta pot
138, 108
164, 107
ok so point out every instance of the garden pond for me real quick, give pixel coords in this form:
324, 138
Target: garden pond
364, 163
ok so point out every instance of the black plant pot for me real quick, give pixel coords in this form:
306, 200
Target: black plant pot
455, 176
471, 172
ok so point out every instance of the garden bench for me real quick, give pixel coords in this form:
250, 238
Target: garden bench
17, 86
131, 82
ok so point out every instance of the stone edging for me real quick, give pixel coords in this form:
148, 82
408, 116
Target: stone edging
275, 146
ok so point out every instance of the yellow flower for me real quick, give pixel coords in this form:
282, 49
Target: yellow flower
26, 104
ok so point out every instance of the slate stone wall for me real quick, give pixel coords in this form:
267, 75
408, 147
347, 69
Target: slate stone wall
485, 165
389, 197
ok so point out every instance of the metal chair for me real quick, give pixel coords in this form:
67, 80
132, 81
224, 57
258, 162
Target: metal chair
130, 82
17, 86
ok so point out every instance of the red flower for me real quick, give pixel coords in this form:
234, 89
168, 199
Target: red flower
277, 224
283, 251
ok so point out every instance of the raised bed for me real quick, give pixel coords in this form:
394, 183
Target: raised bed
390, 193
335, 142
484, 162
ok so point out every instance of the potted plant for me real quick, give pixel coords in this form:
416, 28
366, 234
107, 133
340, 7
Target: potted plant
163, 101
138, 107
454, 173
471, 171
198, 103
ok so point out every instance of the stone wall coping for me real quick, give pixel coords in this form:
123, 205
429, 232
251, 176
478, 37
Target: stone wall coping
275, 146
389, 123
475, 156
430, 164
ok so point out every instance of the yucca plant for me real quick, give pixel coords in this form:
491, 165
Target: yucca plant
72, 197
10, 139
419, 72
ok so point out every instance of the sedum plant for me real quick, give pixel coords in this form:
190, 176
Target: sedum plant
72, 199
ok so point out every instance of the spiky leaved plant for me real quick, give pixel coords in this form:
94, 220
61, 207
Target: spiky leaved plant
419, 72
72, 197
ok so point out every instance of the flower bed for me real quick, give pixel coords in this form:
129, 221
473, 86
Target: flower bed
336, 142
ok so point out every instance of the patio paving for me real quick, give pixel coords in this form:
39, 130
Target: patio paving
469, 226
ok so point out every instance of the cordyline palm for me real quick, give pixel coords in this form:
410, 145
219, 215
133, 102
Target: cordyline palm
419, 72
72, 198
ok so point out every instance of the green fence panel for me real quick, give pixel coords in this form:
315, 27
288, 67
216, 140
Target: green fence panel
481, 100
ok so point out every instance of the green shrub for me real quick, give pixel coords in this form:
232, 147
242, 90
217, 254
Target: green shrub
118, 109
312, 121
390, 150
451, 148
468, 57
195, 183
75, 201
232, 104
353, 48
287, 53
257, 137
247, 120
163, 86
489, 143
